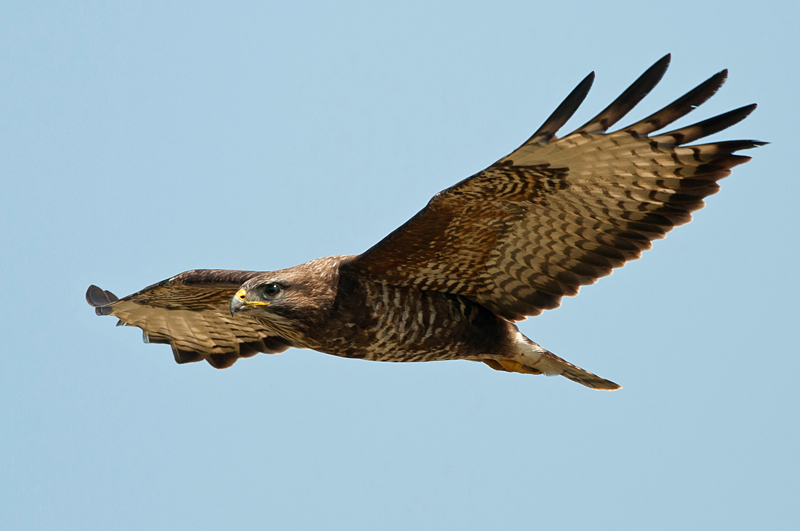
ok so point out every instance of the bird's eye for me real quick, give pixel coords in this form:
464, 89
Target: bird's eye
270, 290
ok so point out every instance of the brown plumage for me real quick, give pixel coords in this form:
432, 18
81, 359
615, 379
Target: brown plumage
506, 243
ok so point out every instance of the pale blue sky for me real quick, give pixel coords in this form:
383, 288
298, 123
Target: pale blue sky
140, 140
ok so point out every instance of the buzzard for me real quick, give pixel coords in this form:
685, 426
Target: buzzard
503, 244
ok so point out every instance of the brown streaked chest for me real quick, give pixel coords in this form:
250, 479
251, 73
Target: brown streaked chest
381, 322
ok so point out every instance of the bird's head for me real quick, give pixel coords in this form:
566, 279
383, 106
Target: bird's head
282, 307
259, 296
291, 301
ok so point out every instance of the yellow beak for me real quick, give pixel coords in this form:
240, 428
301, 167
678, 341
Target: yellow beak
239, 301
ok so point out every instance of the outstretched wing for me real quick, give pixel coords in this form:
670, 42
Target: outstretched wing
191, 313
557, 214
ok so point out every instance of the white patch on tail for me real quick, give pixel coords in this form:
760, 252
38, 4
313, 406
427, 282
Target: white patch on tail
536, 357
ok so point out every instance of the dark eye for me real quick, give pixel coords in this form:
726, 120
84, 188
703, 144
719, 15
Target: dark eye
272, 289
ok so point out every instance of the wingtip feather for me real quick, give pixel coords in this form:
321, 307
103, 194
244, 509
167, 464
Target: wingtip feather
680, 107
705, 128
101, 300
563, 112
628, 99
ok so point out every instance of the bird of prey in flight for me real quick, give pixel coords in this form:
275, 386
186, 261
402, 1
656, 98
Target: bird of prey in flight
506, 243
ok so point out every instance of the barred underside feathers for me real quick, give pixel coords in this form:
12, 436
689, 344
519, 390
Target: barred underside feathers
557, 214
190, 313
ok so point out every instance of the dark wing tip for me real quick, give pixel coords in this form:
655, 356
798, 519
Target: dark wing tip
563, 112
680, 107
706, 127
628, 99
100, 299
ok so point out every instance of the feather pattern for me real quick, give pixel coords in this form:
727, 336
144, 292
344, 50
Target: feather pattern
557, 214
190, 313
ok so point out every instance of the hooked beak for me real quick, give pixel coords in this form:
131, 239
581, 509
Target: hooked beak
240, 302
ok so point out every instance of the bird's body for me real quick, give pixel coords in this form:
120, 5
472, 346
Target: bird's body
506, 243
416, 325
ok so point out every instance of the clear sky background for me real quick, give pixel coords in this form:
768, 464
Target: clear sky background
139, 140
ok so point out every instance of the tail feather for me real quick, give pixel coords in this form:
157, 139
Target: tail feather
576, 374
533, 359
